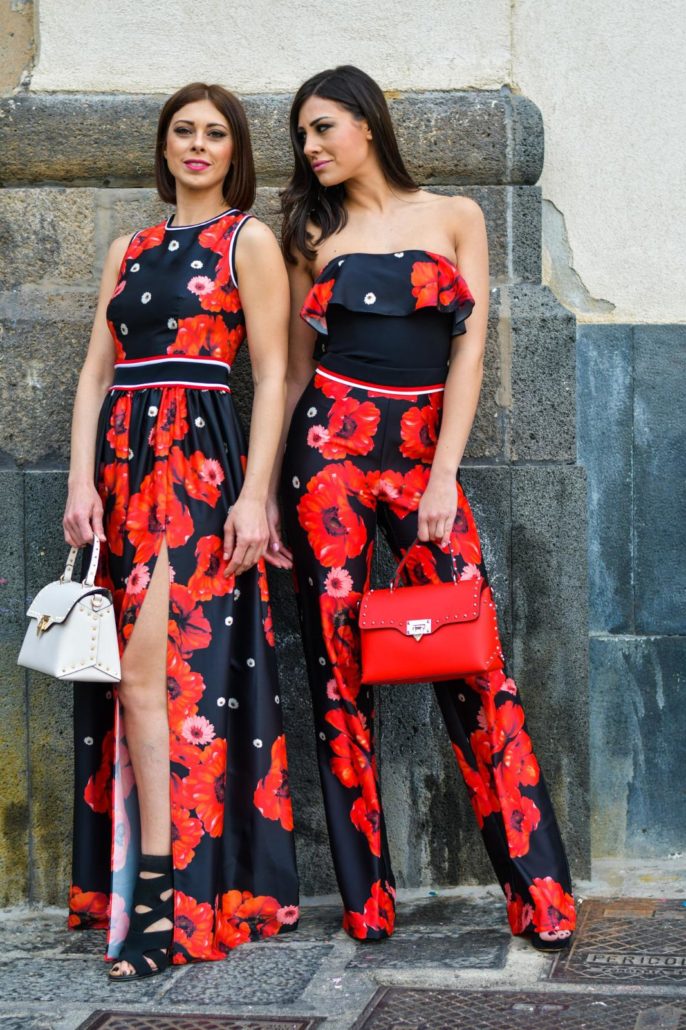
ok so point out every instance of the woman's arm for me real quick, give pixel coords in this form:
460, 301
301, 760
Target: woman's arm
301, 365
258, 264
438, 505
83, 512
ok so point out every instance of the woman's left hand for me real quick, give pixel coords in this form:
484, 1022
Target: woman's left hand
246, 535
437, 510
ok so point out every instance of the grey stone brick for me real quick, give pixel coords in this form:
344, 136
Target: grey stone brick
660, 478
638, 750
543, 342
550, 620
451, 137
604, 446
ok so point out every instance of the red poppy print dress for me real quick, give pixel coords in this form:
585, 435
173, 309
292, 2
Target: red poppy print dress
358, 457
170, 461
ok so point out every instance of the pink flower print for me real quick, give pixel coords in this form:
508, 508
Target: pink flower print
470, 572
332, 691
317, 436
288, 915
211, 472
200, 285
197, 730
338, 583
120, 287
510, 686
139, 577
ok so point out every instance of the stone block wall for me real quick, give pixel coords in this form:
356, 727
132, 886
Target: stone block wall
64, 196
632, 442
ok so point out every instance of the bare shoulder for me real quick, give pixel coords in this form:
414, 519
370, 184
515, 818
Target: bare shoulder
255, 235
464, 213
119, 247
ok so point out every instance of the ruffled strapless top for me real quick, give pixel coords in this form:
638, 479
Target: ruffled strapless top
388, 318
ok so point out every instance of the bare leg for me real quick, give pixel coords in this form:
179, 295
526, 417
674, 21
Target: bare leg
143, 696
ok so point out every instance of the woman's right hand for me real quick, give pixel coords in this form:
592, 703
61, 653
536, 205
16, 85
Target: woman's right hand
83, 516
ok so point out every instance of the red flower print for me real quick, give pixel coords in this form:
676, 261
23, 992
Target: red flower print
184, 690
419, 431
119, 352
338, 583
424, 280
519, 914
367, 819
118, 919
520, 815
420, 567
362, 487
553, 907
437, 283
330, 388
171, 422
207, 336
243, 917
186, 833
379, 914
88, 909
138, 579
196, 475
183, 753
193, 925
339, 624
313, 310
479, 783
216, 235
189, 630
114, 494
146, 240
208, 580
351, 428
205, 786
272, 797
153, 513
464, 537
118, 433
352, 763
333, 529
411, 489
98, 791
262, 581
268, 627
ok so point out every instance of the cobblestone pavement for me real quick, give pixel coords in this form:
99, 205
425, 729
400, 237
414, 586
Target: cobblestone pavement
451, 963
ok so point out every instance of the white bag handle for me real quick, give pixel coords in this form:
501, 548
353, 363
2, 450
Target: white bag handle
89, 581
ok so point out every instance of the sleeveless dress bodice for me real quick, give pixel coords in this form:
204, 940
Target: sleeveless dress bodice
388, 318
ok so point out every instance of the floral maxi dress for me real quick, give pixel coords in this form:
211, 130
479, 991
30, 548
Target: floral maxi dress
170, 462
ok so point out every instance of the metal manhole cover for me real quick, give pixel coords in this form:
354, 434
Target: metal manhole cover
190, 1021
630, 941
401, 1008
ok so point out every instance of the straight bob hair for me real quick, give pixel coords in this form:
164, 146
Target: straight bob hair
304, 200
239, 184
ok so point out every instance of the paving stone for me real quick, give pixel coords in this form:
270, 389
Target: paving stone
55, 978
614, 944
8, 1021
660, 478
457, 914
476, 949
550, 650
197, 1021
394, 1007
604, 448
260, 974
638, 750
447, 137
543, 355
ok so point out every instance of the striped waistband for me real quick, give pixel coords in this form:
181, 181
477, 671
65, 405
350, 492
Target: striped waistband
193, 373
387, 391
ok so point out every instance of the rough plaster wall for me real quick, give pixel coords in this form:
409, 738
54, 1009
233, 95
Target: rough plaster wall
265, 45
609, 81
17, 42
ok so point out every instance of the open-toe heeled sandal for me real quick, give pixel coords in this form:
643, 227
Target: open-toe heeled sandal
556, 944
148, 950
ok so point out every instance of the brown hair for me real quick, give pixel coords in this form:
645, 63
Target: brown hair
239, 184
304, 200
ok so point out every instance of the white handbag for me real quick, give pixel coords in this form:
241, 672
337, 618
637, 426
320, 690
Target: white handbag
72, 634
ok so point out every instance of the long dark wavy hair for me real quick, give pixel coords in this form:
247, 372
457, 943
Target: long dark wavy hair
304, 199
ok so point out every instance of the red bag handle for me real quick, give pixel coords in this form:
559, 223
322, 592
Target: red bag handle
395, 582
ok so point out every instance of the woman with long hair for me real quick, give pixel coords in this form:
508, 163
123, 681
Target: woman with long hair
386, 355
183, 842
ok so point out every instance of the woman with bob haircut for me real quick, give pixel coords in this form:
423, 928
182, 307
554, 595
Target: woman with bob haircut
386, 356
183, 843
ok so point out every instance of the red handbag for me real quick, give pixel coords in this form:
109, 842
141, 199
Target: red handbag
437, 631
